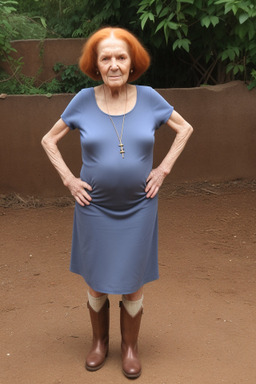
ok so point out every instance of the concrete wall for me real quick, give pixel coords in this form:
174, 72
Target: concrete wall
222, 146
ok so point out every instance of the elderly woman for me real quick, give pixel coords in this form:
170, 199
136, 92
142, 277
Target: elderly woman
114, 244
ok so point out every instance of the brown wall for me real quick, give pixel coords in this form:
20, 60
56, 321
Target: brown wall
222, 146
39, 57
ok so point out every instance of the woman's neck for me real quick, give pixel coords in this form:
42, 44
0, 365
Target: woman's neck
119, 93
115, 99
119, 103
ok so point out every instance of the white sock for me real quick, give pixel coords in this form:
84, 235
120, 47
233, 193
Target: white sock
132, 307
96, 303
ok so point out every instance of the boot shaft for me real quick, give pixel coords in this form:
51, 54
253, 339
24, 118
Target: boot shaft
130, 326
100, 321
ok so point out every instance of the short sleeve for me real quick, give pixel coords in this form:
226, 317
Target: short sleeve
161, 108
72, 114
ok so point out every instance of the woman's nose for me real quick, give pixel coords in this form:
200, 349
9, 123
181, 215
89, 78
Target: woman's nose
114, 65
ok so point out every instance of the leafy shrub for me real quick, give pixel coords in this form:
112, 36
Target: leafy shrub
20, 85
191, 42
217, 38
71, 79
6, 27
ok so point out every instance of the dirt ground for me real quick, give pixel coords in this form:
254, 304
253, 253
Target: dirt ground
199, 318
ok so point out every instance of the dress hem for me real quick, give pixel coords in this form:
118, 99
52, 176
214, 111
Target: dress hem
117, 292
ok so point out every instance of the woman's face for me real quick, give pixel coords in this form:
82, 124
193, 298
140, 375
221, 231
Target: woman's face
114, 62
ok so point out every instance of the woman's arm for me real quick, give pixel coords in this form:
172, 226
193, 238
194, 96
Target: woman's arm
183, 131
76, 186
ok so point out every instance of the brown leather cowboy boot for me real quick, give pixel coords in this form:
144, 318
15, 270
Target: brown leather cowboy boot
130, 327
100, 330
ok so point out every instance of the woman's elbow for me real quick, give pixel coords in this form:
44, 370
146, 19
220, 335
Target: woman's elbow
44, 141
189, 129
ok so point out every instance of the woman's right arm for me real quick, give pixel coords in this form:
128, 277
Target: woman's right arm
76, 186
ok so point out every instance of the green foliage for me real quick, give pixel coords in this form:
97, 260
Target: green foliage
76, 18
219, 36
192, 42
14, 26
71, 79
7, 8
24, 27
253, 80
19, 84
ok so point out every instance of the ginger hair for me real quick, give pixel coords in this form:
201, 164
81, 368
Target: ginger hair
139, 56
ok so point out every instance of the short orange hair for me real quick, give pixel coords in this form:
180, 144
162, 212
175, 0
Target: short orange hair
139, 56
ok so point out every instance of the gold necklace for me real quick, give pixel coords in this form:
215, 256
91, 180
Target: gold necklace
121, 145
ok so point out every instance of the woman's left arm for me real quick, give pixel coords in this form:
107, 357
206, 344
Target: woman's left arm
183, 131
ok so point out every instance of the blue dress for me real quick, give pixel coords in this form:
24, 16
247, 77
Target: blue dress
115, 238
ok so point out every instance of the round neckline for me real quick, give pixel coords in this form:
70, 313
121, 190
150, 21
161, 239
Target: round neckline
127, 113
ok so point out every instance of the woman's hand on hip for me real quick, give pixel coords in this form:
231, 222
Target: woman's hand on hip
154, 181
78, 189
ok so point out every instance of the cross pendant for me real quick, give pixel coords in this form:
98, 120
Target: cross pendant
122, 152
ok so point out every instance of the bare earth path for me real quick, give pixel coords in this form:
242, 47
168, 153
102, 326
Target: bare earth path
199, 322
